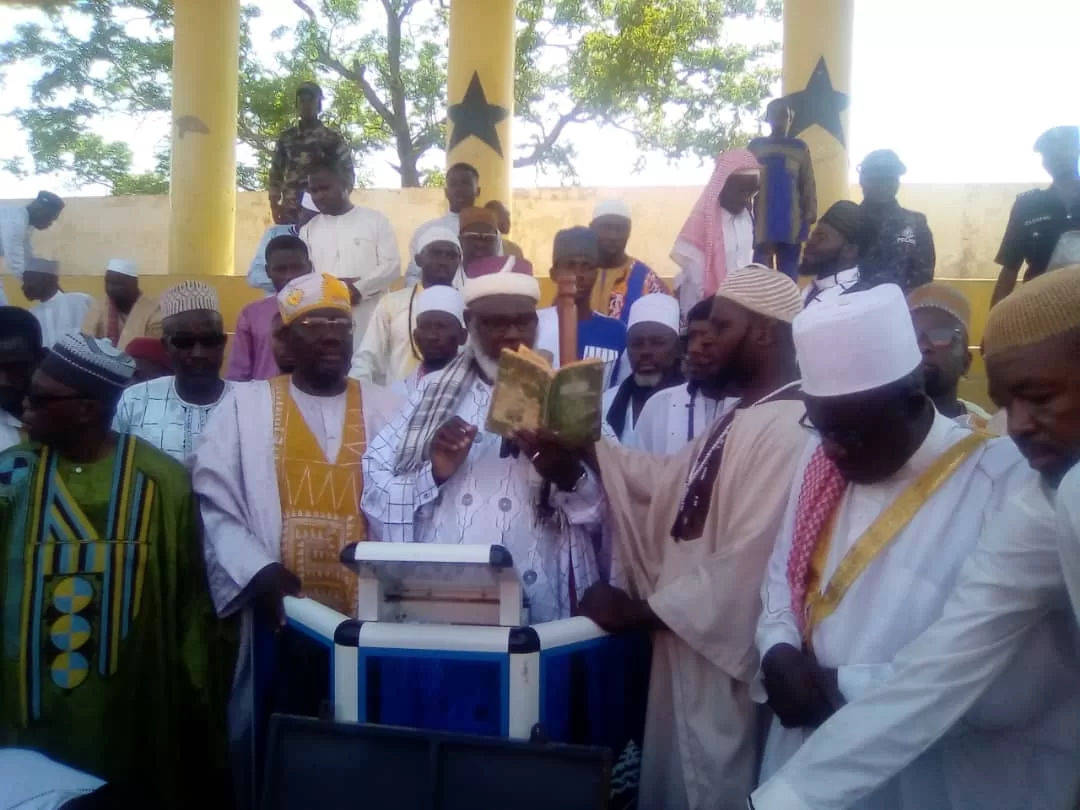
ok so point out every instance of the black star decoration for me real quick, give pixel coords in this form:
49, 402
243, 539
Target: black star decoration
474, 116
818, 104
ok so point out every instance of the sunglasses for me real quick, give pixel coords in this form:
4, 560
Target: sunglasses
321, 323
480, 237
38, 400
851, 439
184, 341
941, 338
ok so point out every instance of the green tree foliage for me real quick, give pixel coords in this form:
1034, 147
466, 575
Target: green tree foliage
661, 70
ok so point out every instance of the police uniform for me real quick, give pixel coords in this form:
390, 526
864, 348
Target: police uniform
1039, 217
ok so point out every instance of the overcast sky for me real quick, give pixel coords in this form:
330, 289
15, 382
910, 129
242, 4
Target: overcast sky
960, 88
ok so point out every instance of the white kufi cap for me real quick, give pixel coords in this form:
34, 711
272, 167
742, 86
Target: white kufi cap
655, 308
124, 267
441, 298
502, 283
611, 208
429, 236
856, 342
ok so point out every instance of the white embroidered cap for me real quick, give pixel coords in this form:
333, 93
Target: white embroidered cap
441, 298
187, 296
430, 236
611, 208
124, 267
655, 308
855, 342
503, 282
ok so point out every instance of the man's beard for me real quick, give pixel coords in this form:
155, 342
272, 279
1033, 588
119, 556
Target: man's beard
648, 380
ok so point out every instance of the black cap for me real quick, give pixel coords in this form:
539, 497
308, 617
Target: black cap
846, 217
882, 163
49, 199
309, 87
1058, 138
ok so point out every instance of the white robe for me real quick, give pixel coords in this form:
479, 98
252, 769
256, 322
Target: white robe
830, 287
489, 500
667, 423
14, 242
9, 431
626, 438
738, 252
901, 593
155, 413
1068, 513
235, 476
61, 315
701, 730
987, 698
359, 244
31, 781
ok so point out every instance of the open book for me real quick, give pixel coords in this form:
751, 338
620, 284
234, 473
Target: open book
530, 394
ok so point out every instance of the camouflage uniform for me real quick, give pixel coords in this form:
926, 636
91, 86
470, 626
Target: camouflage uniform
297, 148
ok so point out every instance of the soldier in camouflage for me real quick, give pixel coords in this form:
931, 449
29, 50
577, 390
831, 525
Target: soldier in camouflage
297, 148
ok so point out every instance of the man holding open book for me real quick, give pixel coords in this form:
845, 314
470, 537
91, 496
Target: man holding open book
436, 473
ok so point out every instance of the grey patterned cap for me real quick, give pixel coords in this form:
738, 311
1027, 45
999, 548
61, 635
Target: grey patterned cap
92, 366
188, 296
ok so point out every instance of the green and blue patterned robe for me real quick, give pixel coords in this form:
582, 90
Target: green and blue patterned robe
110, 647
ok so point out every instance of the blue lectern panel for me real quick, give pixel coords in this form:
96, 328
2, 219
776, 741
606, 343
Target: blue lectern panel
459, 692
594, 693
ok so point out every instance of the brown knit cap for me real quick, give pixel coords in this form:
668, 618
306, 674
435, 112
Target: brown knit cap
941, 296
1041, 309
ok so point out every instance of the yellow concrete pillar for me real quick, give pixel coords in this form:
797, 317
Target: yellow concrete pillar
480, 91
817, 80
206, 55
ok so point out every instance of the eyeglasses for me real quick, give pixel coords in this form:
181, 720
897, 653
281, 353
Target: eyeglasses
940, 338
324, 323
480, 237
847, 438
185, 341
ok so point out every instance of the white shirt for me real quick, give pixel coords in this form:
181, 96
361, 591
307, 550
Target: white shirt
671, 419
626, 438
358, 244
61, 315
994, 679
738, 232
900, 593
9, 431
14, 241
325, 418
830, 287
490, 499
31, 781
154, 412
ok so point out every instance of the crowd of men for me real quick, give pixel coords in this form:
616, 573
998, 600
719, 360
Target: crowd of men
857, 584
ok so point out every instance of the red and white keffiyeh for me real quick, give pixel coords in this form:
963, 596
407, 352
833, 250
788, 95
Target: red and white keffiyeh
822, 489
703, 231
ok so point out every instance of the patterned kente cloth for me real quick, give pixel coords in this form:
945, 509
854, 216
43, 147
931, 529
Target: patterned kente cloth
109, 640
320, 498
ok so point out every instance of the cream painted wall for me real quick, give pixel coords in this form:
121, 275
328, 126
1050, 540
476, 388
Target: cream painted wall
967, 221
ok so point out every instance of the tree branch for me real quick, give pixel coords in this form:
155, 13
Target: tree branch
353, 74
400, 122
541, 149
